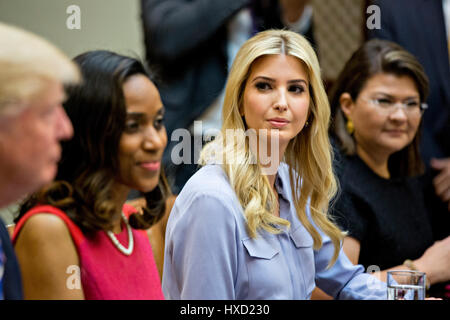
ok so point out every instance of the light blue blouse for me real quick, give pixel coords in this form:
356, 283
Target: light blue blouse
209, 254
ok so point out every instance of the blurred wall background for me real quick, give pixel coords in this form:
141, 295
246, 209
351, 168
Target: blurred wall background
105, 24
116, 25
338, 27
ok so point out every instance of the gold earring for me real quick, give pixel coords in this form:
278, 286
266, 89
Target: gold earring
350, 127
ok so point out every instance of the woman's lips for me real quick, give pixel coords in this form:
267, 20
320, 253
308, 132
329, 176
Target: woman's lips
396, 132
278, 123
151, 166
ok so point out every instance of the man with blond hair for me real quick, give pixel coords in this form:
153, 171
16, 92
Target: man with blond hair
32, 123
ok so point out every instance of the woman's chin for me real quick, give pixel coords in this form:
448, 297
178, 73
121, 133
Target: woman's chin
148, 187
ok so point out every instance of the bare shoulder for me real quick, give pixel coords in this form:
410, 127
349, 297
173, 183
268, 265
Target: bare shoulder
44, 227
45, 251
46, 236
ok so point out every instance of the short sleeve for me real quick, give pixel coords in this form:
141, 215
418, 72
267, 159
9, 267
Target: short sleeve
201, 250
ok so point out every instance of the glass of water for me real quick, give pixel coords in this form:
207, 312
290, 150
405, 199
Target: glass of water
406, 285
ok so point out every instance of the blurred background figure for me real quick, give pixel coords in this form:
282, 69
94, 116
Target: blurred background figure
191, 45
32, 120
378, 103
423, 28
32, 123
91, 233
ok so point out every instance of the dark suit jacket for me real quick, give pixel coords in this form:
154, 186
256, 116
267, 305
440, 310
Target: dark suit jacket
12, 279
186, 48
419, 27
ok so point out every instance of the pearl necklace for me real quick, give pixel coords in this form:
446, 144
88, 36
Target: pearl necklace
125, 251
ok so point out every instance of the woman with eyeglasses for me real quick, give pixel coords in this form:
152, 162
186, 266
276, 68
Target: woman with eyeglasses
377, 107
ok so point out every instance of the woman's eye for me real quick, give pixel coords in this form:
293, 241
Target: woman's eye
296, 89
412, 104
384, 102
131, 126
263, 86
159, 123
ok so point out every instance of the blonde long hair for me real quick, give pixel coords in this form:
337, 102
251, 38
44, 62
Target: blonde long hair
308, 155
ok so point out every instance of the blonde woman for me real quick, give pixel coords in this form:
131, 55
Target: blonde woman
252, 222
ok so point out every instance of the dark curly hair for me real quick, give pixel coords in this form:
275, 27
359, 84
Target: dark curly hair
89, 162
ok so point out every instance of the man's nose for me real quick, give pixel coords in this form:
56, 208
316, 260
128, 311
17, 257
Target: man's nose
64, 128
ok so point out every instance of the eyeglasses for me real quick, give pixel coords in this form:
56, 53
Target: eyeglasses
388, 106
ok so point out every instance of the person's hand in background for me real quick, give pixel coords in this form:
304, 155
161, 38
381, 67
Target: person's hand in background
435, 261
